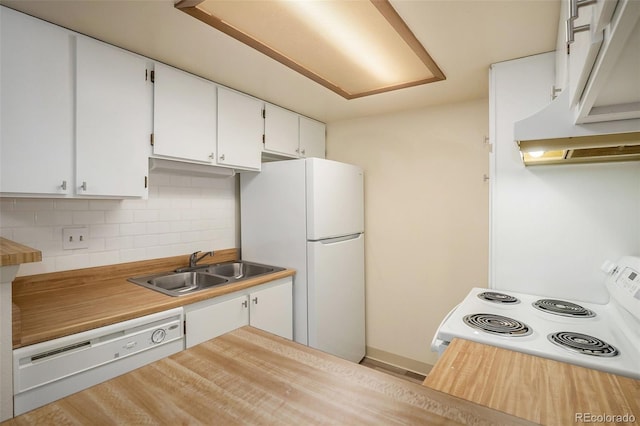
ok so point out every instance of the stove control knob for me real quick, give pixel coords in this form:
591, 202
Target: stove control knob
609, 268
158, 335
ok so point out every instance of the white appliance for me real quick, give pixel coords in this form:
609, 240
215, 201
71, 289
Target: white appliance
51, 370
604, 337
308, 214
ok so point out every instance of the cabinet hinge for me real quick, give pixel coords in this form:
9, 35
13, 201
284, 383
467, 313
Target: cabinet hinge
151, 139
146, 182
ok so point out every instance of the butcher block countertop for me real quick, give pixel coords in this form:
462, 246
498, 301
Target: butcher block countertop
538, 389
52, 305
12, 253
249, 377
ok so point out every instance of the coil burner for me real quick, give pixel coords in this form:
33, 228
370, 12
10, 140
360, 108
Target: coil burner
563, 308
497, 324
494, 297
582, 343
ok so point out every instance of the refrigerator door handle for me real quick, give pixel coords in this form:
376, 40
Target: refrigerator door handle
339, 239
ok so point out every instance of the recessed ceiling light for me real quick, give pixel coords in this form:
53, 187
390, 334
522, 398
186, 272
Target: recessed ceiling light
355, 48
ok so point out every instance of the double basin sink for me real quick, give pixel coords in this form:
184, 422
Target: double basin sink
203, 277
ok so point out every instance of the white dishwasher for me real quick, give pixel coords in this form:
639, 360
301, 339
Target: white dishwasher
51, 370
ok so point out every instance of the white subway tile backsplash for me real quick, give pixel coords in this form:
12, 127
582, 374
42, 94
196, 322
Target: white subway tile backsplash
33, 234
88, 217
118, 216
71, 204
53, 217
183, 214
102, 231
145, 215
105, 204
118, 243
31, 205
73, 261
139, 228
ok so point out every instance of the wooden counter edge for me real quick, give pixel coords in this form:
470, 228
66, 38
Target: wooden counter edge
280, 352
468, 370
13, 253
80, 283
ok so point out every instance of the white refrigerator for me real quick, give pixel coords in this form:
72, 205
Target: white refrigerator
308, 214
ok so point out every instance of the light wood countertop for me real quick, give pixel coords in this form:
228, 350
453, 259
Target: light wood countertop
52, 305
249, 376
12, 253
541, 390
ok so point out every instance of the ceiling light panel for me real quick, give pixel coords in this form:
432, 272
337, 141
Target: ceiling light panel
355, 48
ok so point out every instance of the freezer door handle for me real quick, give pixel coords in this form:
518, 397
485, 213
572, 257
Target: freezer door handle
340, 239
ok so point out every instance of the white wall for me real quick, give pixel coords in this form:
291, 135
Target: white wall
426, 220
553, 226
183, 214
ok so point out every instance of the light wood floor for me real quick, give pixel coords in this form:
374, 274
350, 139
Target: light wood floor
394, 371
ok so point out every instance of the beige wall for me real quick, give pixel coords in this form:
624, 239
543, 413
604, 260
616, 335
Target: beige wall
426, 219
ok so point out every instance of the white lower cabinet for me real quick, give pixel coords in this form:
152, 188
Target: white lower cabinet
268, 307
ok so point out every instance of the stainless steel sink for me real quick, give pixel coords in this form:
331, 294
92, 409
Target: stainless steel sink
178, 284
238, 270
202, 278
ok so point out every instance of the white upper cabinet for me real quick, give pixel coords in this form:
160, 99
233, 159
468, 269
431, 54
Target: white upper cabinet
281, 133
582, 52
287, 134
312, 138
113, 120
184, 115
240, 130
603, 63
36, 135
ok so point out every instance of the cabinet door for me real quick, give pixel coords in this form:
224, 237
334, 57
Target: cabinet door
36, 135
281, 132
582, 54
312, 138
240, 129
184, 115
272, 309
208, 321
113, 120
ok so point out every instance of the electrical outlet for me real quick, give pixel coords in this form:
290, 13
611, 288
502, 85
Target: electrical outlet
75, 238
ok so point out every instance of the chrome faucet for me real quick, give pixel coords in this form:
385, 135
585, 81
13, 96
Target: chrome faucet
193, 259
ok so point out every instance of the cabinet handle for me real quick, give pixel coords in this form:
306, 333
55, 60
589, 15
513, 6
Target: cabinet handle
211, 156
570, 30
64, 185
83, 186
222, 157
255, 300
304, 151
245, 304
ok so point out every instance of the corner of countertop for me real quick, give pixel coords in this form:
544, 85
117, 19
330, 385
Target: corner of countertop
13, 253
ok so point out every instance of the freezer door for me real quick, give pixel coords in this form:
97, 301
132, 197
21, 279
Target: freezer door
337, 296
335, 199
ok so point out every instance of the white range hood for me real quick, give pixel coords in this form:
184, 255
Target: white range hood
551, 137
